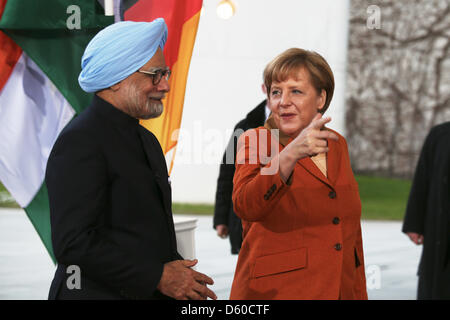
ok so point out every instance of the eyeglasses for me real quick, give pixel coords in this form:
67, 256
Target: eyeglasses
157, 74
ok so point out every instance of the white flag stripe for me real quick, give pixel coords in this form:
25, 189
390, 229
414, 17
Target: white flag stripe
32, 114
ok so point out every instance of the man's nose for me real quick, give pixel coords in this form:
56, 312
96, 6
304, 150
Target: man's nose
163, 85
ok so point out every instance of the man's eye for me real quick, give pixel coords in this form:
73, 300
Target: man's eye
296, 91
275, 92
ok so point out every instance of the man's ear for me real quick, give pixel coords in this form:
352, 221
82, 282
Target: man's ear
116, 87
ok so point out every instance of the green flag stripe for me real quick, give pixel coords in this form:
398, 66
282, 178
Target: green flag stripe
52, 14
38, 211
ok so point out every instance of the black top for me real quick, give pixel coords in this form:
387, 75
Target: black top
110, 206
223, 211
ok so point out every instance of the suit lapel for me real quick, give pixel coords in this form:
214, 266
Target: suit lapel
155, 157
157, 162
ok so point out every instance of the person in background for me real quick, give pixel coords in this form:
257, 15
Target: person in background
427, 217
110, 198
300, 207
225, 221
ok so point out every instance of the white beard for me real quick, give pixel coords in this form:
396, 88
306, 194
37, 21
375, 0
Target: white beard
147, 109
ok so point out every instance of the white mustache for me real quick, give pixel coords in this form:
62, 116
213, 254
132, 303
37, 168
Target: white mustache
157, 97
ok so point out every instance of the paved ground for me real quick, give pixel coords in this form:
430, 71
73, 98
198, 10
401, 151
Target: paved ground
26, 269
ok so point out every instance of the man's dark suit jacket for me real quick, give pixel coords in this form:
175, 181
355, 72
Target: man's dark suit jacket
428, 214
223, 210
110, 207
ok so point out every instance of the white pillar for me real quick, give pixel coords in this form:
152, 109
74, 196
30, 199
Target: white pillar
185, 232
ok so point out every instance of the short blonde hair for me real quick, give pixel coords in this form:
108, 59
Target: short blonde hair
289, 62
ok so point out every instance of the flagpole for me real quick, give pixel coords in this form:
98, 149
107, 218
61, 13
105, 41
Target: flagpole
109, 7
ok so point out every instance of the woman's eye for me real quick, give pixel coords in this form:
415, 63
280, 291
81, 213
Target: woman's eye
275, 92
296, 91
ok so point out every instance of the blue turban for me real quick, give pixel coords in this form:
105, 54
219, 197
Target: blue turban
119, 50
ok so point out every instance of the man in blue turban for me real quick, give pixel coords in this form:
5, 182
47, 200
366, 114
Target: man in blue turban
110, 199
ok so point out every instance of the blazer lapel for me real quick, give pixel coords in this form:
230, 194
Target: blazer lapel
309, 166
333, 161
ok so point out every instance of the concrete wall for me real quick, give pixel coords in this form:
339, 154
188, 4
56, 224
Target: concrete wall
225, 77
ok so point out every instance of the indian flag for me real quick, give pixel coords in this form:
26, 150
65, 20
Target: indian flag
41, 45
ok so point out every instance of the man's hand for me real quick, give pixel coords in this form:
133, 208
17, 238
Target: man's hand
179, 281
415, 237
222, 230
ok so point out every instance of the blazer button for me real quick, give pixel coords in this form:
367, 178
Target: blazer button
338, 246
336, 220
332, 194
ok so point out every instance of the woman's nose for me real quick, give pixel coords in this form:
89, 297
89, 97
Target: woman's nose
285, 99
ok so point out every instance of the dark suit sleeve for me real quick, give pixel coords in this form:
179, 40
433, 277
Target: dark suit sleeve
78, 187
223, 203
414, 220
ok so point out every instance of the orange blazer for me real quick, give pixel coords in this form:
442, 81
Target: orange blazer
301, 240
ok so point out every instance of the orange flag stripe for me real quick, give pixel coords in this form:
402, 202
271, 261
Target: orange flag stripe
9, 55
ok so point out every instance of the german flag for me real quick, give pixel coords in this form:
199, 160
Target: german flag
182, 18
